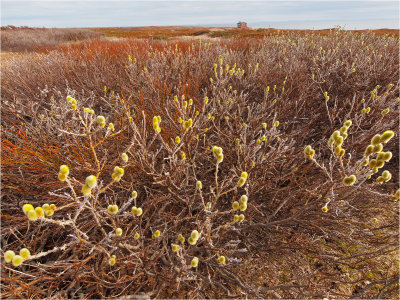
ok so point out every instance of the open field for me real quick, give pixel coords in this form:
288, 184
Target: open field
238, 164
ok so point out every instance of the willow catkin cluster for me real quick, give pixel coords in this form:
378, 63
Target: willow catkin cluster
17, 260
217, 151
90, 183
338, 137
156, 124
375, 148
309, 152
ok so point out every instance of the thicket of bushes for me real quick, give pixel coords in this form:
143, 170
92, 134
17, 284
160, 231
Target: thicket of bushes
305, 232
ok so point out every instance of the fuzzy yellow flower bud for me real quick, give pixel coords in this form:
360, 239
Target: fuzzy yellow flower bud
378, 148
348, 123
86, 190
386, 136
235, 205
112, 260
335, 134
243, 199
124, 157
386, 175
376, 140
139, 212
64, 169
157, 233
110, 127
195, 261
220, 158
243, 206
136, 236
62, 177
388, 156
91, 181
236, 218
177, 140
118, 231
134, 194
241, 217
25, 253
194, 235
324, 209
119, 171
32, 216
134, 210
339, 141
369, 150
181, 238
199, 185
221, 260
191, 241
343, 129
39, 212
27, 207
350, 180
244, 174
380, 156
49, 212
175, 247
183, 155
9, 255
112, 209
100, 120
241, 181
17, 260
53, 206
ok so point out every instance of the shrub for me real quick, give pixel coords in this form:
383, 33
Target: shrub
269, 218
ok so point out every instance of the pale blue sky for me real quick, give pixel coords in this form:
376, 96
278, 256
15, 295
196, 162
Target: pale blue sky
278, 14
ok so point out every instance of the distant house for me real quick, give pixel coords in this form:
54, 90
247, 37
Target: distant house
241, 24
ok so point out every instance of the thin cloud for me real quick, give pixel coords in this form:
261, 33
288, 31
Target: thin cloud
293, 14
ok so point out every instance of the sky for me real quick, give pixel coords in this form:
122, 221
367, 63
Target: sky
278, 14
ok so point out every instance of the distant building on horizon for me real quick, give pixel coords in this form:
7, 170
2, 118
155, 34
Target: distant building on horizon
241, 24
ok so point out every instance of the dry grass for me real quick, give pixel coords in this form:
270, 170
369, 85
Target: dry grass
286, 246
165, 32
22, 39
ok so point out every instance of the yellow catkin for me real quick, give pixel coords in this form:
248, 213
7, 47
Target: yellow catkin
195, 261
221, 260
17, 260
25, 253
9, 255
